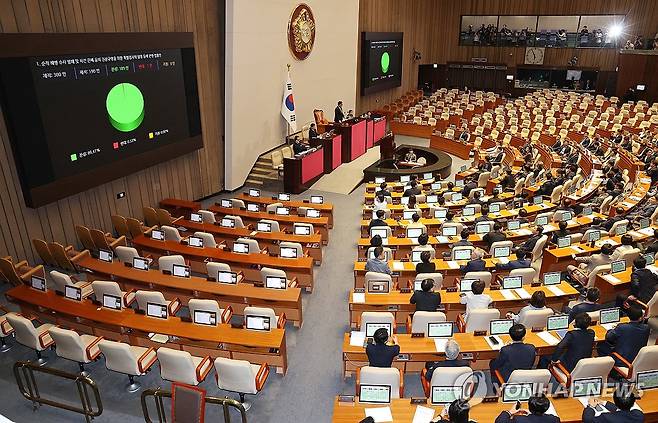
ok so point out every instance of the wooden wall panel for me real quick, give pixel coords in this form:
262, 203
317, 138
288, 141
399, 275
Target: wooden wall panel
191, 176
432, 27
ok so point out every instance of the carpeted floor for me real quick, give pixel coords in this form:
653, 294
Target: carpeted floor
314, 375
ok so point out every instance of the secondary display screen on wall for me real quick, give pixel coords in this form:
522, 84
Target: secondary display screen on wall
381, 61
79, 120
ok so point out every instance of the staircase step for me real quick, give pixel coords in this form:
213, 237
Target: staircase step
253, 181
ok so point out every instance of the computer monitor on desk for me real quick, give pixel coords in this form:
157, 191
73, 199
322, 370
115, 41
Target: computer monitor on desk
196, 217
275, 282
414, 232
513, 392
112, 302
440, 329
375, 394
382, 232
38, 283
156, 310
227, 277
73, 293
288, 252
264, 227
257, 323
445, 395
372, 327
449, 231
202, 317
500, 326
587, 387
105, 255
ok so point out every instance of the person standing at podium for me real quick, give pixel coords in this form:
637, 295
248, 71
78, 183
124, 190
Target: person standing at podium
338, 112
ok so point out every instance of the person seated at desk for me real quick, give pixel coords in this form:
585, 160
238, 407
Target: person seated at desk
538, 405
523, 218
508, 181
626, 339
484, 216
452, 350
537, 302
350, 114
619, 412
619, 215
557, 146
312, 132
379, 221
627, 244
377, 263
376, 241
415, 223
463, 242
647, 209
338, 112
426, 300
382, 351
561, 232
522, 261
514, 356
412, 190
653, 247
464, 136
380, 202
497, 158
643, 284
590, 304
425, 265
476, 264
475, 299
457, 412
494, 236
477, 197
298, 147
530, 243
383, 190
587, 264
410, 157
548, 186
423, 241
576, 344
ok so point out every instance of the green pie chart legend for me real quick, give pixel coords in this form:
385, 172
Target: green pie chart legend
125, 107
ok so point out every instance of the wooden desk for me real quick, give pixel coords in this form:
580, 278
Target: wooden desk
326, 209
331, 144
312, 243
285, 222
422, 350
127, 326
179, 207
398, 303
570, 410
250, 264
300, 172
288, 301
411, 129
454, 147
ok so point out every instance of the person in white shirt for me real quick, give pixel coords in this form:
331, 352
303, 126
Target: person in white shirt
537, 302
380, 203
627, 244
476, 299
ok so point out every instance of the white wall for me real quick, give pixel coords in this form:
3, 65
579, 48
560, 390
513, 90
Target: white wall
256, 57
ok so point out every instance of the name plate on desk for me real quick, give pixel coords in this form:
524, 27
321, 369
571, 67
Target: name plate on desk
417, 401
346, 399
393, 308
480, 333
417, 335
403, 357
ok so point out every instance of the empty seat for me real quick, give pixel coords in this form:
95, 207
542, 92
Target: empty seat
70, 345
127, 359
381, 376
478, 320
126, 254
275, 321
37, 338
171, 233
376, 318
143, 298
585, 368
241, 376
266, 272
540, 378
296, 245
102, 288
62, 280
183, 367
207, 216
166, 263
534, 318
5, 330
417, 323
222, 315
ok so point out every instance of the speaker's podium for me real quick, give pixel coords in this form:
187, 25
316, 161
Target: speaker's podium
353, 134
303, 170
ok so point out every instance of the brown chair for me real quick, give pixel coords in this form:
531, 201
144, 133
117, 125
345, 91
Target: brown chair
85, 238
104, 241
136, 228
42, 250
17, 273
320, 121
120, 225
165, 219
150, 216
65, 257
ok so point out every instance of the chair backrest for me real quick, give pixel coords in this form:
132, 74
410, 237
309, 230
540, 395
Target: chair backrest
540, 378
381, 376
171, 233
376, 317
254, 248
268, 271
296, 245
652, 306
61, 280
126, 254
145, 297
106, 287
436, 277
483, 179
59, 253
82, 232
479, 319
119, 357
451, 376
208, 239
164, 217
646, 359
535, 318
538, 251
68, 344
177, 366
497, 244
528, 274
483, 276
271, 208
593, 367
167, 262
42, 250
555, 195
150, 216
617, 224
24, 331
420, 320
135, 227
235, 375
376, 276
100, 240
597, 271
207, 216
9, 272
205, 305
274, 225
213, 267
630, 255
120, 225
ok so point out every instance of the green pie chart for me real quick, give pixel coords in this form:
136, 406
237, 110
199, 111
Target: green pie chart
385, 61
125, 107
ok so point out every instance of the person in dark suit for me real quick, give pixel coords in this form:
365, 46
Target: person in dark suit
412, 190
338, 112
653, 247
576, 344
298, 147
425, 265
590, 304
379, 221
619, 215
619, 412
494, 236
476, 264
530, 243
538, 405
627, 338
561, 232
522, 261
426, 300
312, 132
452, 352
643, 281
548, 186
514, 356
382, 352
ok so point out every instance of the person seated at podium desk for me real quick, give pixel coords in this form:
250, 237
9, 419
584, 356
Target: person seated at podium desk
378, 263
426, 300
410, 157
576, 344
298, 147
476, 264
425, 265
312, 132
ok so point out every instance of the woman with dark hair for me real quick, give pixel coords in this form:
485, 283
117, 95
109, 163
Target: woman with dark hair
457, 412
537, 302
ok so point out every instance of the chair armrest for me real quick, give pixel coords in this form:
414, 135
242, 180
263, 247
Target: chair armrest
74, 278
140, 361
149, 230
265, 250
424, 382
358, 380
174, 306
68, 248
293, 283
91, 346
6, 327
409, 323
176, 219
281, 323
32, 271
228, 313
401, 384
262, 375
3, 308
200, 373
305, 253
119, 241
623, 360
556, 375
20, 264
129, 297
499, 377
239, 275
461, 324
45, 340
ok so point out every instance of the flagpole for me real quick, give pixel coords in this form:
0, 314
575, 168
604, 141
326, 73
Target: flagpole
288, 124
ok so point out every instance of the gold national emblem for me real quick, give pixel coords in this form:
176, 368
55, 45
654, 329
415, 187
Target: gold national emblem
301, 32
